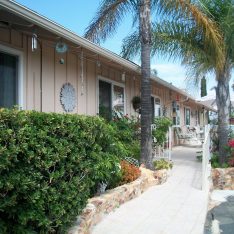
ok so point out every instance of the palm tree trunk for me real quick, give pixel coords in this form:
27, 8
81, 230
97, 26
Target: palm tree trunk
223, 106
145, 33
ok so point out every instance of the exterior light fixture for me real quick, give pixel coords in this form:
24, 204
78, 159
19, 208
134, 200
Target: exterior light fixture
98, 63
34, 42
123, 76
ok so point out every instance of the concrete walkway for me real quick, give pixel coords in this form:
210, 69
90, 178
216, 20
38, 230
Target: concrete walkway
177, 207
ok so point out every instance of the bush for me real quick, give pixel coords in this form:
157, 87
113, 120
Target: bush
162, 126
229, 157
50, 165
127, 135
129, 172
215, 161
162, 164
231, 162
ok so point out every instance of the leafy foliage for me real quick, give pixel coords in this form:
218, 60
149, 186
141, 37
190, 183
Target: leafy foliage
49, 167
127, 135
129, 172
162, 125
203, 87
215, 163
162, 164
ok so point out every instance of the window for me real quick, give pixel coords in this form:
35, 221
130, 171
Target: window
156, 107
176, 114
118, 99
187, 114
8, 80
105, 106
111, 97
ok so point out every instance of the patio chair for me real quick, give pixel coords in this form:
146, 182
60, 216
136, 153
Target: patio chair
181, 135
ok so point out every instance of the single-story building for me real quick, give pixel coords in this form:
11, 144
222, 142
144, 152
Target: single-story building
46, 67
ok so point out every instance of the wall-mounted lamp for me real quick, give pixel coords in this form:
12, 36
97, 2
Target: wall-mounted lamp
98, 63
123, 76
34, 42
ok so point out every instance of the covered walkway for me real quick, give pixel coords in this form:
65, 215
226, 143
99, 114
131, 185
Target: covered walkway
177, 207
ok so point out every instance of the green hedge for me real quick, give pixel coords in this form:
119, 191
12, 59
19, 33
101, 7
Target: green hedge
50, 165
127, 134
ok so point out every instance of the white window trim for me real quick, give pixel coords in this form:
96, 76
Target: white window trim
187, 107
19, 54
176, 125
155, 96
112, 82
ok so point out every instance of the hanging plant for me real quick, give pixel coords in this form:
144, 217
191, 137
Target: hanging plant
136, 103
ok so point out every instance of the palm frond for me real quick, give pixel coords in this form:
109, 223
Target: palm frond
108, 17
189, 11
131, 45
227, 25
177, 40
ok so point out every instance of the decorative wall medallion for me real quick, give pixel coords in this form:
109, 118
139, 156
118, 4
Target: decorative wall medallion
68, 97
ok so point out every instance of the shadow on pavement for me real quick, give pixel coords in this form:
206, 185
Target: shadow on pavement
224, 213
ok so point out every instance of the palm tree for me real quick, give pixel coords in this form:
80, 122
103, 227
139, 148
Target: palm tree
109, 16
183, 39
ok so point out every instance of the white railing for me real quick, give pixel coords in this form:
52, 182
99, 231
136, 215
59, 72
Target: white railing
206, 167
164, 151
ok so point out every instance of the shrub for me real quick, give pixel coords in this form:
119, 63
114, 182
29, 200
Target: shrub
162, 164
129, 172
127, 135
162, 126
50, 165
215, 161
231, 162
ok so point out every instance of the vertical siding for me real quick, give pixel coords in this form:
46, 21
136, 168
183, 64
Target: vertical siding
82, 108
72, 74
128, 94
5, 35
91, 88
55, 75
33, 78
50, 70
16, 38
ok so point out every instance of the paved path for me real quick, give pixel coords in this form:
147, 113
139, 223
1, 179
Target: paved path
177, 207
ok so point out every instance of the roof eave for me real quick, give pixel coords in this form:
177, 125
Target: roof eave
57, 29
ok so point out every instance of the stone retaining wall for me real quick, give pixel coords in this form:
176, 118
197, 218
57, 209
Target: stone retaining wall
100, 206
223, 178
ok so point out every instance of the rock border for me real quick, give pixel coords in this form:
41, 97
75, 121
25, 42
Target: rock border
223, 178
99, 206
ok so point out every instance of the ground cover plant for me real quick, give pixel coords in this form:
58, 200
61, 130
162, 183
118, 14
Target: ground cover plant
50, 164
129, 172
162, 164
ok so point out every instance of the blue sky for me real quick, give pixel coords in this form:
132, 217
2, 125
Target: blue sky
76, 15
